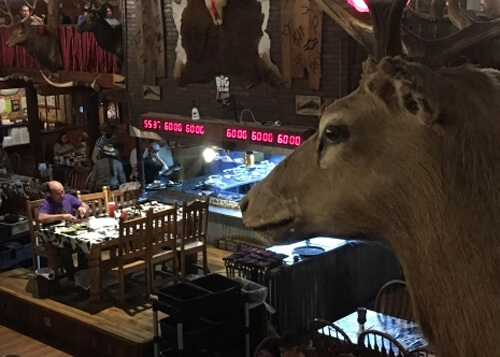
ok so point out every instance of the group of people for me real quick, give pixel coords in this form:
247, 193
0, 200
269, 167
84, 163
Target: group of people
27, 15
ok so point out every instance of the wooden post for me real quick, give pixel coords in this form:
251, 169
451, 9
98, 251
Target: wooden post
91, 107
34, 125
53, 18
140, 163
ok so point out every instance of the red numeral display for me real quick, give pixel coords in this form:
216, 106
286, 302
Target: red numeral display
152, 124
262, 136
195, 129
285, 139
170, 126
240, 134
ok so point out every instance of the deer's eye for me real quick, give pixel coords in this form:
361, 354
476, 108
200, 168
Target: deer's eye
335, 134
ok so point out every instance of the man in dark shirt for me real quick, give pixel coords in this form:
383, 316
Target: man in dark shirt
58, 207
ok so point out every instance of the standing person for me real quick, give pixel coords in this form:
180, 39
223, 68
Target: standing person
58, 207
108, 171
153, 164
108, 16
108, 130
24, 13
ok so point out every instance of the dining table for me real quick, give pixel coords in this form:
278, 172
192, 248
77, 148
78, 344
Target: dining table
92, 237
408, 333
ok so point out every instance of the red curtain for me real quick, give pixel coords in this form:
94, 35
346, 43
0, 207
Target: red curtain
80, 52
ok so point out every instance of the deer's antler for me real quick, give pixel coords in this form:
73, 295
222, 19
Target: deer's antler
5, 9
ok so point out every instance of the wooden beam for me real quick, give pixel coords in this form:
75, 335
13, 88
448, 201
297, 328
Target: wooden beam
13, 84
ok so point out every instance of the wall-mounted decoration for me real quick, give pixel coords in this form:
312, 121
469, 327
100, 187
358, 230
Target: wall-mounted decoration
15, 106
150, 40
301, 29
151, 92
307, 105
239, 48
222, 84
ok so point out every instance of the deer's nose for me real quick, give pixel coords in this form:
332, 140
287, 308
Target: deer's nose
244, 204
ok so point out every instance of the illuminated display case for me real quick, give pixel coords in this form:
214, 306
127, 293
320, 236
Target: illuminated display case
229, 177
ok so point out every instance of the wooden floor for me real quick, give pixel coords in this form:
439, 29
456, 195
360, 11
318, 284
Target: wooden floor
14, 343
133, 323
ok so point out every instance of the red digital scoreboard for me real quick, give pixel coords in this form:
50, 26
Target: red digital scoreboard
220, 131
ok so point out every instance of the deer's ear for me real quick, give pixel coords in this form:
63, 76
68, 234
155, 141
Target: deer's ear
401, 86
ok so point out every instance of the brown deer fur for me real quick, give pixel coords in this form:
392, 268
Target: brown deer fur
416, 164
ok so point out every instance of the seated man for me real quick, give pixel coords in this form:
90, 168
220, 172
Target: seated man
58, 207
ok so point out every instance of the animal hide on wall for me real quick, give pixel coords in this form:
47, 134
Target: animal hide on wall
301, 28
240, 47
149, 40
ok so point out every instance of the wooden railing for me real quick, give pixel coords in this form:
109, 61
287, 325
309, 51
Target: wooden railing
80, 52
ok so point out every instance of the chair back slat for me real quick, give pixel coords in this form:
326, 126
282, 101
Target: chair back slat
122, 199
78, 178
195, 220
133, 240
163, 227
329, 339
33, 207
96, 202
380, 344
393, 298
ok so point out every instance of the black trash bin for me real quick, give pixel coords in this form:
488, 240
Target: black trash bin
45, 280
256, 295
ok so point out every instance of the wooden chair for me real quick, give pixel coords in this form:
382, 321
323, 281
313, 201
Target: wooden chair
132, 256
194, 233
96, 202
122, 199
373, 343
78, 178
162, 245
27, 166
329, 339
15, 160
39, 249
394, 299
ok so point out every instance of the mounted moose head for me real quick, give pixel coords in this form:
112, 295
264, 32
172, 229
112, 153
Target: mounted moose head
107, 36
409, 158
44, 49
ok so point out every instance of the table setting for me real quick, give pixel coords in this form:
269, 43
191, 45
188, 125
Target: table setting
82, 234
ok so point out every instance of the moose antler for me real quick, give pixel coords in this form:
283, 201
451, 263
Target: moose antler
382, 32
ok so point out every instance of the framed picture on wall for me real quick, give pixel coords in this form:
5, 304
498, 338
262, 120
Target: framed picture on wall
307, 105
15, 106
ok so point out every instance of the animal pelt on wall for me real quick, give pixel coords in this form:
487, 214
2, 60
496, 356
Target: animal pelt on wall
239, 47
